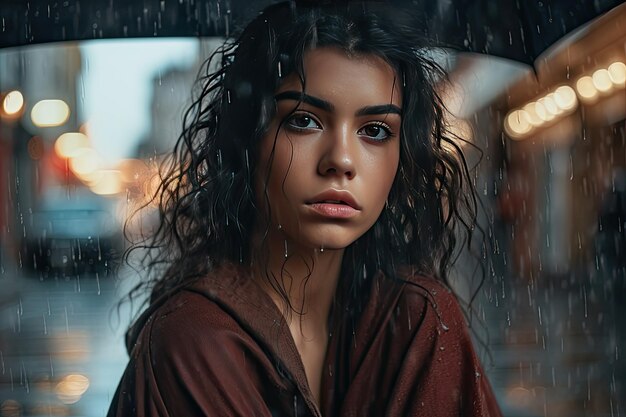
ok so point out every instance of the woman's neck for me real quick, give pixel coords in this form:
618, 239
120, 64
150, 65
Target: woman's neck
309, 278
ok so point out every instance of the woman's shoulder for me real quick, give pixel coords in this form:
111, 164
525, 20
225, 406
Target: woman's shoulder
223, 307
185, 319
190, 312
431, 298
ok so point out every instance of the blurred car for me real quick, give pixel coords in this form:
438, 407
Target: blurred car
72, 235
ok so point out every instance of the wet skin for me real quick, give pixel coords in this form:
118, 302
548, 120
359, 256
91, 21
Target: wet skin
336, 157
333, 165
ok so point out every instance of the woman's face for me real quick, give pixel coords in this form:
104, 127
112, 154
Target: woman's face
336, 157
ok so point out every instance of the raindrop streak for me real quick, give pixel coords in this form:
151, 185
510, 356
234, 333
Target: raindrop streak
45, 327
24, 376
295, 405
67, 323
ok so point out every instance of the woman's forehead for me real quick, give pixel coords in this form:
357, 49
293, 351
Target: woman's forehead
333, 73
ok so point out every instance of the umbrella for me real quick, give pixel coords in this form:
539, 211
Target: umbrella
520, 30
515, 29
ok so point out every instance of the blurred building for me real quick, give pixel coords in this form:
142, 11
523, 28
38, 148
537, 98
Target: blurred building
46, 80
555, 154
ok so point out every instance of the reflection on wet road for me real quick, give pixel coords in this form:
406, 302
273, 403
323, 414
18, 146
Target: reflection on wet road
61, 345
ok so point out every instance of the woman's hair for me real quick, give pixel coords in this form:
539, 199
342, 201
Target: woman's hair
206, 200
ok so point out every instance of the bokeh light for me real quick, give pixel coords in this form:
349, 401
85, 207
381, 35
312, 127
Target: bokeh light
533, 117
133, 170
35, 148
617, 73
71, 388
602, 81
550, 105
109, 183
517, 123
71, 144
85, 163
542, 112
586, 89
565, 97
13, 103
49, 113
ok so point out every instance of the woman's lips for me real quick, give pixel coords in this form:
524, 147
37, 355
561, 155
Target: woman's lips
334, 210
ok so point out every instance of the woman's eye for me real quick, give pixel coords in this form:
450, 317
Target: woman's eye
376, 132
301, 121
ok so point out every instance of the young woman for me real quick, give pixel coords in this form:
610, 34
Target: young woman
308, 219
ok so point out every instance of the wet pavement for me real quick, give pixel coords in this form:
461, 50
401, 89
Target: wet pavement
61, 345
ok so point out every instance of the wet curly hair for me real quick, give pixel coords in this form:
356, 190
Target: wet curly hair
206, 201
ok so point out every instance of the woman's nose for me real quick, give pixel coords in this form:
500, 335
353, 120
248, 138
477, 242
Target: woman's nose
338, 156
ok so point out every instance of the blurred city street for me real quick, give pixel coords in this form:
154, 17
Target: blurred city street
85, 124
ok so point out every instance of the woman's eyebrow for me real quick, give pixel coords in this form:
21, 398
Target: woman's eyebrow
300, 96
380, 109
329, 107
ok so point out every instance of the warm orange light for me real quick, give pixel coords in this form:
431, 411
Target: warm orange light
109, 183
13, 103
85, 162
586, 89
617, 73
517, 124
533, 117
70, 389
602, 81
542, 112
565, 97
71, 144
550, 105
132, 170
49, 113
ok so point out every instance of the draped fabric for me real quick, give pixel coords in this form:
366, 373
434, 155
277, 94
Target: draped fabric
222, 348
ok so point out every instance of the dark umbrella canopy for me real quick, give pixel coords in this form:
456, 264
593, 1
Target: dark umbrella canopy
516, 29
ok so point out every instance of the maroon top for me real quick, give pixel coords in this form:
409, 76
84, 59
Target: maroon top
222, 348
